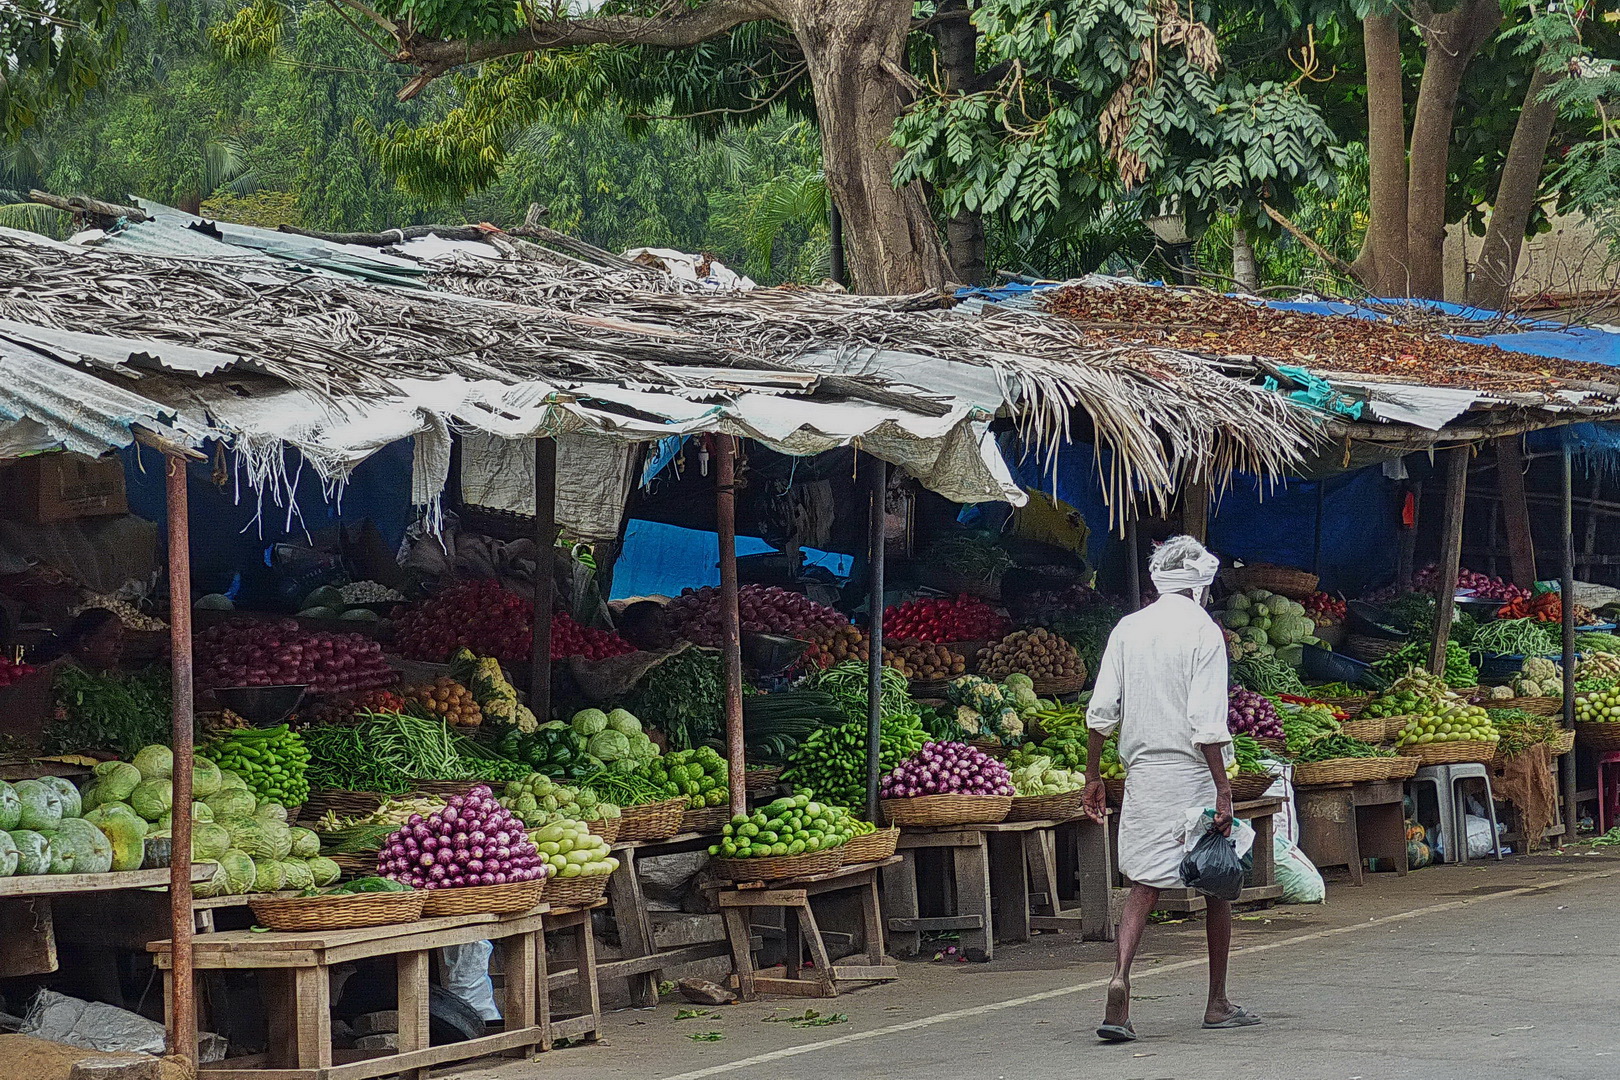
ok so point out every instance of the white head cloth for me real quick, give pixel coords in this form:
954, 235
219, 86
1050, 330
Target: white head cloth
1182, 563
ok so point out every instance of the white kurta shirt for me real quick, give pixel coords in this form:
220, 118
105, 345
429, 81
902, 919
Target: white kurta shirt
1163, 685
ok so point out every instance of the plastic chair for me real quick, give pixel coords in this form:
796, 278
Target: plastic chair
1608, 786
1454, 809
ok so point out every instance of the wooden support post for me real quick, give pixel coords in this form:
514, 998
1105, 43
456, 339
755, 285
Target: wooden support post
1515, 510
1567, 585
545, 559
725, 507
1195, 510
182, 1031
877, 496
1451, 530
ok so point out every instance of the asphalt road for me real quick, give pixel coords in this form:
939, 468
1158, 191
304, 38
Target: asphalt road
1481, 972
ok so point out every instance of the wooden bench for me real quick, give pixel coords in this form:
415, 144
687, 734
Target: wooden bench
641, 962
793, 895
584, 1021
1346, 824
295, 974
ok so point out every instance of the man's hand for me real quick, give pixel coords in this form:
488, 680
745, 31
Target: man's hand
1095, 801
1223, 812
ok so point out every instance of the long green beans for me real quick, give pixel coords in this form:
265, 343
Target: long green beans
387, 752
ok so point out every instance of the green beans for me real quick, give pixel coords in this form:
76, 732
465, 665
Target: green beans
387, 752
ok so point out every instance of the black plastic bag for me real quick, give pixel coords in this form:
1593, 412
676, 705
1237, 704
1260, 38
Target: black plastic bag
1213, 868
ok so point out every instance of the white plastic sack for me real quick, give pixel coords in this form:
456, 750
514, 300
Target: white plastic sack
1196, 824
466, 975
1301, 881
1481, 841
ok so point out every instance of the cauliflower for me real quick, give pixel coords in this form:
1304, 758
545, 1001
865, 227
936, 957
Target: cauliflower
961, 689
969, 720
987, 697
1540, 669
1009, 727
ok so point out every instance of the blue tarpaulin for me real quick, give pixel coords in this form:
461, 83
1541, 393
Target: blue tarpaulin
661, 560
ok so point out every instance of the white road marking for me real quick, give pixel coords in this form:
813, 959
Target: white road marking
1094, 984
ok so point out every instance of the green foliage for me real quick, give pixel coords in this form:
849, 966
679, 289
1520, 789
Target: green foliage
54, 54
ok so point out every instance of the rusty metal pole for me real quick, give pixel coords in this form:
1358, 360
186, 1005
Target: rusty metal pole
1566, 772
724, 448
182, 1033
879, 490
545, 567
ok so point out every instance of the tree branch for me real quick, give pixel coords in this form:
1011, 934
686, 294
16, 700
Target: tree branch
1309, 241
705, 22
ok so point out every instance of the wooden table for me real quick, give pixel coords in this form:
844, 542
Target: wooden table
1262, 888
584, 1021
1346, 824
793, 895
295, 972
642, 963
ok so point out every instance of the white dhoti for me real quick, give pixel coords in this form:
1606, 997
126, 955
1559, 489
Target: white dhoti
1157, 798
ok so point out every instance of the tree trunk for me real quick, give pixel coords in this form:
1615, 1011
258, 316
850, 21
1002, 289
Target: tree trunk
1381, 265
1451, 40
855, 53
958, 41
1245, 267
1515, 196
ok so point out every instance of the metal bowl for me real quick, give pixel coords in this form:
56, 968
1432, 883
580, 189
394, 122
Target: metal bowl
261, 706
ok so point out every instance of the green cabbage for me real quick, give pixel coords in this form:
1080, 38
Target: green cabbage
588, 722
41, 805
324, 871
623, 720
296, 873
244, 834
209, 841
230, 804
116, 780
10, 807
229, 779
240, 871
91, 850
306, 843
155, 762
271, 812
275, 841
217, 883
152, 798
199, 812
270, 875
609, 745
205, 777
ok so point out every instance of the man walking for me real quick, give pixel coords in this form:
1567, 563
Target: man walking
1162, 686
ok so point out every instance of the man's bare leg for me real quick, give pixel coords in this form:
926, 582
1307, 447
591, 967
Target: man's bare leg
1132, 922
1218, 935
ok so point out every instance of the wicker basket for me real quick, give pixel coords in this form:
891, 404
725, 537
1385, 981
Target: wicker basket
1557, 747
929, 689
338, 912
873, 847
1402, 768
759, 781
1351, 770
339, 801
1451, 753
710, 819
1598, 736
1062, 807
1376, 729
508, 899
776, 867
1368, 649
1283, 580
1251, 785
355, 865
1116, 792
1054, 687
576, 892
1276, 746
1535, 706
606, 828
1350, 706
443, 789
926, 811
969, 651
651, 821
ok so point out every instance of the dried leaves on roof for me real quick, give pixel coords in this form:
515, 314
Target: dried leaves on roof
1204, 322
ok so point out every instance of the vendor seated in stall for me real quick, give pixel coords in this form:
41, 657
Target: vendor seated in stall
94, 641
645, 624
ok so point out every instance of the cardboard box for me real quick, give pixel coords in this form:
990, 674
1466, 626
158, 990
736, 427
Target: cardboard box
51, 488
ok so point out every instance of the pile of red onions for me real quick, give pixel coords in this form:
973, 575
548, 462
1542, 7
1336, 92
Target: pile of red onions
481, 615
10, 672
1249, 713
474, 840
948, 768
967, 618
1484, 586
763, 609
569, 638
284, 653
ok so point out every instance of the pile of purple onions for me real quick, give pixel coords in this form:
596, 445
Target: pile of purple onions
947, 768
474, 840
1249, 713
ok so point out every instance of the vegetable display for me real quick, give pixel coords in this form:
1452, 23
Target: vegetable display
283, 653
700, 775
1249, 756
1250, 713
950, 768
1602, 707
1456, 722
988, 710
1597, 642
1038, 653
1520, 730
924, 661
794, 825
1415, 654
1305, 725
480, 615
572, 850
539, 800
388, 752
1548, 607
1538, 677
1269, 625
474, 840
1482, 586
977, 557
831, 763
614, 738
847, 684
1596, 666
571, 638
775, 724
273, 762
1087, 630
1040, 775
363, 834
966, 618
1267, 675
1326, 609
1339, 746
1519, 637
553, 749
369, 592
684, 697
128, 614
761, 608
121, 713
447, 700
